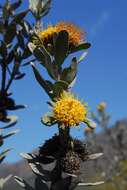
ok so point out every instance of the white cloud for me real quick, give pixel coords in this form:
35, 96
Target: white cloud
104, 17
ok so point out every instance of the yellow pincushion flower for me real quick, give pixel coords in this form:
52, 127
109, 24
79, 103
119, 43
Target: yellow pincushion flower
68, 110
47, 34
101, 106
76, 35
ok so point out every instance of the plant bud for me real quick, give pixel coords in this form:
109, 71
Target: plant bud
39, 8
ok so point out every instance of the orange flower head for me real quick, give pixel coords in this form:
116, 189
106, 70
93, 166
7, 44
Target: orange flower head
76, 35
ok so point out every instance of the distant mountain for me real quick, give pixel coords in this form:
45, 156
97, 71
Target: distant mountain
114, 149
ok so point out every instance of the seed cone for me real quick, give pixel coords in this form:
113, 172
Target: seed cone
71, 162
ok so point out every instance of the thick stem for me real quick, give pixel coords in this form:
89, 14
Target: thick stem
64, 136
38, 24
64, 141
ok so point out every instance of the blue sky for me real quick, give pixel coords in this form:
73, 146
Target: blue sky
102, 76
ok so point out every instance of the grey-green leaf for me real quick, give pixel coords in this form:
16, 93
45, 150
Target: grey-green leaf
39, 8
40, 184
3, 154
39, 55
23, 184
13, 121
48, 120
15, 5
18, 17
70, 72
59, 86
10, 33
3, 181
10, 134
82, 57
82, 46
41, 80
95, 156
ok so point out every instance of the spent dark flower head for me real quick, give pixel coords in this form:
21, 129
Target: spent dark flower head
71, 162
50, 147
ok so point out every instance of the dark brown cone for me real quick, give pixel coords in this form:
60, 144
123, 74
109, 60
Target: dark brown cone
71, 162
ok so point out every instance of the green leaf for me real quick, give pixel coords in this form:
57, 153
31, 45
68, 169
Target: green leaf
38, 169
91, 184
13, 121
44, 58
1, 27
94, 156
36, 166
39, 8
1, 140
41, 80
20, 39
3, 49
49, 64
4, 154
18, 17
4, 180
6, 10
69, 73
10, 57
59, 86
10, 33
26, 53
23, 183
40, 184
28, 156
39, 55
26, 27
82, 57
15, 69
60, 47
19, 76
82, 46
48, 120
62, 184
10, 134
16, 5
73, 82
91, 124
